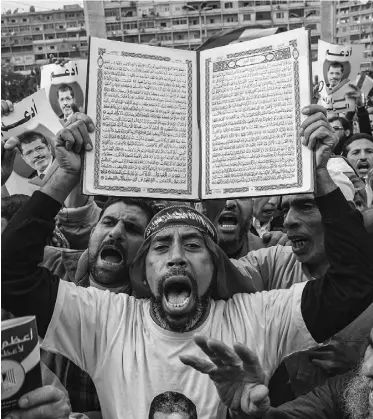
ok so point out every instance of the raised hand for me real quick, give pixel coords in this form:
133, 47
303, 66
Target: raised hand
46, 402
236, 373
71, 140
8, 154
318, 135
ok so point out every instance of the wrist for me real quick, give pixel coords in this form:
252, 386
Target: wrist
60, 184
324, 183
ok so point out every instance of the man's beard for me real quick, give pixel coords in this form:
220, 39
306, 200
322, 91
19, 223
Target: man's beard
194, 317
358, 396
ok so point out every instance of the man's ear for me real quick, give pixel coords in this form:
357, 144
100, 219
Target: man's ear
347, 132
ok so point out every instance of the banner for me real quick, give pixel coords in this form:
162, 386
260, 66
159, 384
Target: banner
65, 87
338, 66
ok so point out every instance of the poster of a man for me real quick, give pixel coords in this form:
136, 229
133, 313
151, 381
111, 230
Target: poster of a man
172, 405
65, 85
335, 73
66, 100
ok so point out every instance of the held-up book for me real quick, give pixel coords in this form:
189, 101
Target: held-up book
189, 125
20, 361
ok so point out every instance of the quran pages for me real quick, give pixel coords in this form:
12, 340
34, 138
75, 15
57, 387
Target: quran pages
252, 94
142, 100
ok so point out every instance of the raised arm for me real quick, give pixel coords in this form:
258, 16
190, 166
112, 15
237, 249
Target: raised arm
28, 288
334, 301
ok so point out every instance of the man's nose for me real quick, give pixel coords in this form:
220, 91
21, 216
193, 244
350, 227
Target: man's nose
118, 232
230, 204
291, 220
176, 256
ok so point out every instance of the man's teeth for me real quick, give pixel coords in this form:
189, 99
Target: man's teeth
231, 226
178, 299
298, 243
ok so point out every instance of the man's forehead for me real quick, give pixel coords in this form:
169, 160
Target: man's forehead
360, 143
121, 209
293, 199
173, 231
33, 144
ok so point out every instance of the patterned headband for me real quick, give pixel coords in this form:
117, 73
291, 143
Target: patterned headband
181, 215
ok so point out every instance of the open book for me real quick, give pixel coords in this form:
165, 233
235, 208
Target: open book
178, 124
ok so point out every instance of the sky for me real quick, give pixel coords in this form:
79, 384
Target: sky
24, 5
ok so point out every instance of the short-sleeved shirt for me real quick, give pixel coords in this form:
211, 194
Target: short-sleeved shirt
132, 360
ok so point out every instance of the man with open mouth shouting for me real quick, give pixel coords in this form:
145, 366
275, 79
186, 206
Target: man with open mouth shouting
137, 348
359, 152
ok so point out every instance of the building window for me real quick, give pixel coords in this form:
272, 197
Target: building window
246, 17
193, 22
263, 16
180, 37
24, 20
49, 26
84, 44
72, 24
280, 15
49, 36
146, 24
37, 37
228, 5
232, 19
111, 12
40, 48
51, 47
72, 35
113, 27
61, 35
211, 21
132, 25
39, 57
179, 21
315, 39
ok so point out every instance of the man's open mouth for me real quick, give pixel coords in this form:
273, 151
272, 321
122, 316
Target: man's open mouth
177, 293
111, 255
299, 243
228, 221
363, 165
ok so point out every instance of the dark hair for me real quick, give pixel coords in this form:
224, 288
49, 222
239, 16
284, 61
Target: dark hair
145, 204
172, 402
65, 88
336, 64
11, 204
31, 136
355, 137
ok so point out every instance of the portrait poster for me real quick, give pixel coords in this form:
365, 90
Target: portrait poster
349, 56
67, 81
31, 114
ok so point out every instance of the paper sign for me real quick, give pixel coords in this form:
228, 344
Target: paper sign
64, 86
349, 57
33, 113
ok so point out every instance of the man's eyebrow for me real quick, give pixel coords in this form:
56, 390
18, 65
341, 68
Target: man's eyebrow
184, 236
297, 202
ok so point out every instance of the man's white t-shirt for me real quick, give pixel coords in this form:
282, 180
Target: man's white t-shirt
132, 360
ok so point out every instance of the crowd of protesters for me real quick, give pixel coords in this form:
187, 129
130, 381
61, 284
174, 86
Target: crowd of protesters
239, 308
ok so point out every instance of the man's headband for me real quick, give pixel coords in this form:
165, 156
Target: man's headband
178, 216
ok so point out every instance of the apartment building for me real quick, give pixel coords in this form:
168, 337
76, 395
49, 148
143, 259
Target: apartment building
354, 24
182, 24
28, 38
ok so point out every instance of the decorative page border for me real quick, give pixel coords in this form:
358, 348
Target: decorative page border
96, 181
285, 53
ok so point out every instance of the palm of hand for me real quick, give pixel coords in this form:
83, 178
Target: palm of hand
230, 382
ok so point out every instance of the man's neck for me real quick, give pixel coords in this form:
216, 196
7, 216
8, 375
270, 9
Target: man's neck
232, 249
159, 319
317, 270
